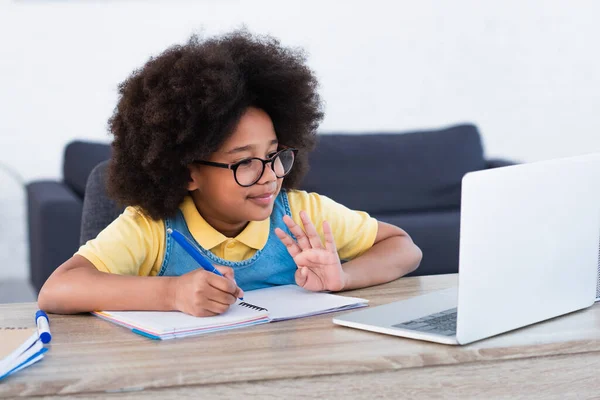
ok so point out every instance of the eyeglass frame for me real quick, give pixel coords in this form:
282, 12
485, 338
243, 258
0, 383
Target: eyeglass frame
235, 166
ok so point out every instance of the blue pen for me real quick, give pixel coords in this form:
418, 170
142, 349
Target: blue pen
43, 326
191, 249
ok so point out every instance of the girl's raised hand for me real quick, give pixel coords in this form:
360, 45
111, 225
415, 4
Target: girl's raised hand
319, 266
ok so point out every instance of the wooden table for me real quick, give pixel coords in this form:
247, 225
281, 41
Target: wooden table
91, 358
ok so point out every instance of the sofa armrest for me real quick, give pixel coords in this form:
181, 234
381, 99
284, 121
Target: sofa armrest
54, 220
436, 232
498, 162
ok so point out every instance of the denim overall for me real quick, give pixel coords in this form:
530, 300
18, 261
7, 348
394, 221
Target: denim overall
270, 266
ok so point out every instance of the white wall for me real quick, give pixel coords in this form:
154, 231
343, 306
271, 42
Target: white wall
526, 72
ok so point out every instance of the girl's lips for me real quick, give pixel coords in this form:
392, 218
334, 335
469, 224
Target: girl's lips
263, 199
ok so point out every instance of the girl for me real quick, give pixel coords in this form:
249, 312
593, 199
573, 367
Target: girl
211, 138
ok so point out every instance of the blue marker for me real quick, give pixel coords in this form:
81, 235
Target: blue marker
191, 249
43, 326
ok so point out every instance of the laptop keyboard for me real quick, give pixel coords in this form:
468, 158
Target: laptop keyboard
442, 323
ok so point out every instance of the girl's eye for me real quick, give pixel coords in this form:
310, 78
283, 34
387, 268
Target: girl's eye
271, 155
244, 162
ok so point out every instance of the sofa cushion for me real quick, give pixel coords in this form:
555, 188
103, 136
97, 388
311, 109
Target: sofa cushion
80, 158
387, 173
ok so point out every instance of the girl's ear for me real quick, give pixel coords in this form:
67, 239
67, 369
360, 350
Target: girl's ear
192, 180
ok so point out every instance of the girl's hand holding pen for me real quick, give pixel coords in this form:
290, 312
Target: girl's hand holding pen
206, 291
202, 293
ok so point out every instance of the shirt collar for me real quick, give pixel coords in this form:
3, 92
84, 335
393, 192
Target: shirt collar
255, 235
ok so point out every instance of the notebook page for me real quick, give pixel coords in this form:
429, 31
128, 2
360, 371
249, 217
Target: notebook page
165, 322
291, 301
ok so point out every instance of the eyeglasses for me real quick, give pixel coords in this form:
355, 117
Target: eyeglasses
249, 171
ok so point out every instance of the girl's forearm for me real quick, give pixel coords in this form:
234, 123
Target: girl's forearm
387, 260
77, 286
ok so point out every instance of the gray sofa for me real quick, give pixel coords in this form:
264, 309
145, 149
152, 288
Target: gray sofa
410, 179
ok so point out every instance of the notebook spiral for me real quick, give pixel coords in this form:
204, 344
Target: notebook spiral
252, 306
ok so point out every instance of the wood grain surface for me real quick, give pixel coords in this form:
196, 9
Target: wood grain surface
311, 357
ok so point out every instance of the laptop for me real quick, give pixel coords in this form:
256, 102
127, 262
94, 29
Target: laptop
529, 251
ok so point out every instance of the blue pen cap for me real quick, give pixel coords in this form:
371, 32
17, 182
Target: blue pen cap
40, 313
43, 325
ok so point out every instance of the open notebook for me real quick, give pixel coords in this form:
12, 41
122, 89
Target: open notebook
19, 348
259, 306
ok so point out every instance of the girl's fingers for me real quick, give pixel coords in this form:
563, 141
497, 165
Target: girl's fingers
301, 276
311, 231
215, 307
301, 238
329, 240
314, 258
224, 288
290, 244
226, 271
229, 274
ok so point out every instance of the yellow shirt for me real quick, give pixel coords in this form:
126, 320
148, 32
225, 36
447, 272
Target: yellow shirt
134, 244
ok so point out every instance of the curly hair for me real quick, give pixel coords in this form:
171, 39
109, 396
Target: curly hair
182, 105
